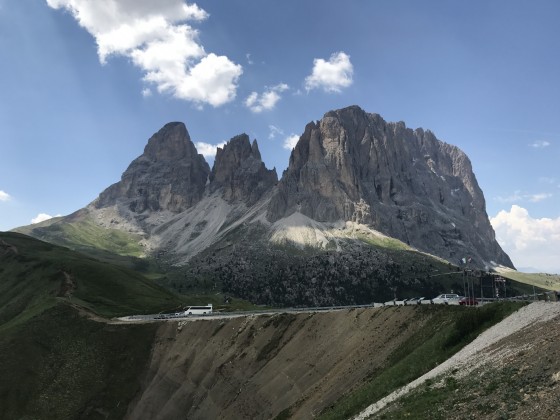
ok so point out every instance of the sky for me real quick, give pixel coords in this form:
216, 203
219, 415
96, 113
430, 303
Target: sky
84, 84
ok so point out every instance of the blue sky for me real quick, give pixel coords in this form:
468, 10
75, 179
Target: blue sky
84, 85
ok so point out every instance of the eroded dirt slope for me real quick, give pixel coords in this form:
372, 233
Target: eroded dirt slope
256, 367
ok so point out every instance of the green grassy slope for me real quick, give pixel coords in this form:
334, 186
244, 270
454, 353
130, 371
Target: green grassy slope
81, 233
541, 280
61, 365
35, 274
57, 361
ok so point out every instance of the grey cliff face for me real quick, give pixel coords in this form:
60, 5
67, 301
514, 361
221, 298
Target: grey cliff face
240, 173
405, 183
169, 175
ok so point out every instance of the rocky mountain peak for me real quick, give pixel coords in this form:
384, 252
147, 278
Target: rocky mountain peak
169, 175
240, 173
171, 142
355, 166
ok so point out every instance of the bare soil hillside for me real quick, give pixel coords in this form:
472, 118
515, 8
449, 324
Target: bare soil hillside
255, 367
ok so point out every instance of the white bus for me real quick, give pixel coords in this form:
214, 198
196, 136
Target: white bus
199, 310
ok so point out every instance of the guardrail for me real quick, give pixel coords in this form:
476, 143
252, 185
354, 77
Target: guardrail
546, 296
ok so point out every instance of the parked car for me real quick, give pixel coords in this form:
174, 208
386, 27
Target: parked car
446, 298
413, 301
468, 301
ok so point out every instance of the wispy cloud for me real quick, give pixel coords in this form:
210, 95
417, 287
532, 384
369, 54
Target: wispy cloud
547, 180
331, 75
4, 196
290, 141
266, 100
540, 144
154, 35
274, 131
535, 198
518, 196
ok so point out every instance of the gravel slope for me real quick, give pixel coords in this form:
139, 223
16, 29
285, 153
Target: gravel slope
477, 353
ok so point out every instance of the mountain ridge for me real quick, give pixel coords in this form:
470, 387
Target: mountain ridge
351, 177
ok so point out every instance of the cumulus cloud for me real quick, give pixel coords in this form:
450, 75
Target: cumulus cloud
4, 196
528, 241
41, 217
290, 142
266, 100
331, 75
208, 150
540, 144
154, 35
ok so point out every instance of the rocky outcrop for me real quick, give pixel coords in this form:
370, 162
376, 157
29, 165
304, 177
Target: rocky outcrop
169, 175
405, 183
240, 173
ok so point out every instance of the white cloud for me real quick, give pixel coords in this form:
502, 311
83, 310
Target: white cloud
156, 38
290, 142
274, 131
41, 217
146, 92
266, 100
540, 144
249, 60
332, 75
4, 196
208, 150
529, 242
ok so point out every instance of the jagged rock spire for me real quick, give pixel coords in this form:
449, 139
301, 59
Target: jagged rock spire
169, 175
240, 173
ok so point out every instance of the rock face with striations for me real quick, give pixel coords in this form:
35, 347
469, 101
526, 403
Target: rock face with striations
405, 183
169, 175
240, 173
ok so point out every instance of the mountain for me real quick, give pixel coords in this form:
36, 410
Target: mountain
405, 183
363, 205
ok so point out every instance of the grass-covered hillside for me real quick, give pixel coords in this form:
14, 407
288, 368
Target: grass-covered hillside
80, 232
57, 361
541, 280
35, 275
62, 365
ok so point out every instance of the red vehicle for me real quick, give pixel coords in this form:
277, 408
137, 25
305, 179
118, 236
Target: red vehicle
469, 301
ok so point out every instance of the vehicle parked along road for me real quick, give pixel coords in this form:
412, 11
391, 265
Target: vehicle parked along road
468, 301
447, 298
